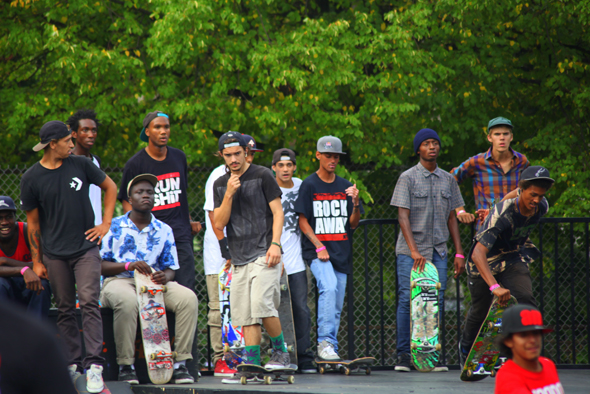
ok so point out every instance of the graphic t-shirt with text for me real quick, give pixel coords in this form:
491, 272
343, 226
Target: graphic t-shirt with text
327, 209
291, 236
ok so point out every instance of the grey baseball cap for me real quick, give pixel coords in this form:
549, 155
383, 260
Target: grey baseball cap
330, 144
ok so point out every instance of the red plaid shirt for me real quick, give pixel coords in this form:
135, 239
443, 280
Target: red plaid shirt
490, 182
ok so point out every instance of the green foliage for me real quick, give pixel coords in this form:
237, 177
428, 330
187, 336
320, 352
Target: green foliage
291, 71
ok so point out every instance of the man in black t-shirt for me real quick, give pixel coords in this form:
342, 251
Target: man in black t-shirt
328, 207
54, 194
169, 165
247, 203
502, 253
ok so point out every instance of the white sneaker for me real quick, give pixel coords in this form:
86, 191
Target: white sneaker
326, 351
94, 382
73, 370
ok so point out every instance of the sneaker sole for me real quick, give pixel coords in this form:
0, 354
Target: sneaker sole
183, 381
94, 391
402, 369
309, 371
133, 381
223, 374
441, 369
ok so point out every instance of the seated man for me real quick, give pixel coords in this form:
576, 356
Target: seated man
139, 241
18, 281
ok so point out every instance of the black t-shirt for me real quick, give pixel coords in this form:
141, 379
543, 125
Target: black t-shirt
30, 359
171, 201
65, 211
249, 230
327, 209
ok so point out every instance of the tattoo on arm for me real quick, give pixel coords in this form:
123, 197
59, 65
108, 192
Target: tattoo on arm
35, 241
311, 236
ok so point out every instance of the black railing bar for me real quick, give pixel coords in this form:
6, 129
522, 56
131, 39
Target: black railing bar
573, 292
588, 287
382, 293
541, 288
367, 314
557, 306
350, 295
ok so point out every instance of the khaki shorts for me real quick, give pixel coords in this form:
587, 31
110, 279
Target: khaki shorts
255, 292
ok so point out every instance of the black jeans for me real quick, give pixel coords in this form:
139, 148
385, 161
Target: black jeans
516, 278
301, 316
185, 275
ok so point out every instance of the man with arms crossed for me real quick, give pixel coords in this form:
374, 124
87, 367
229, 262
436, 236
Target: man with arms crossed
215, 256
426, 197
495, 173
328, 207
498, 263
171, 203
137, 241
284, 164
18, 282
248, 204
54, 194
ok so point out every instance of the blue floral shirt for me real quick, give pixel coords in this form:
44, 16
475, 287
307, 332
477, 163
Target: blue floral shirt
154, 244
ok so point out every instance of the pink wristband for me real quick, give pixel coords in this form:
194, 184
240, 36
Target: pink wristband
494, 287
460, 212
459, 255
318, 250
127, 265
22, 272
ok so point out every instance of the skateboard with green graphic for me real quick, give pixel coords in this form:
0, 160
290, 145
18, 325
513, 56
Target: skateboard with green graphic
424, 346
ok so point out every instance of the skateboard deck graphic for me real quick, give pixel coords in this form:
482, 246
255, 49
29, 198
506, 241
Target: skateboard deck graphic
286, 318
484, 353
232, 337
154, 329
424, 346
346, 366
80, 384
283, 374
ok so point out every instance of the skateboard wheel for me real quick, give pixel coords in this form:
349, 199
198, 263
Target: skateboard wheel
469, 373
490, 325
269, 352
174, 355
284, 287
438, 285
412, 284
493, 374
267, 379
143, 289
368, 371
243, 380
153, 356
222, 287
164, 289
438, 347
290, 348
414, 346
226, 348
322, 369
291, 379
347, 371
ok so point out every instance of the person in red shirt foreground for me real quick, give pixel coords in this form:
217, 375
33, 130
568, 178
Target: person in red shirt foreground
522, 340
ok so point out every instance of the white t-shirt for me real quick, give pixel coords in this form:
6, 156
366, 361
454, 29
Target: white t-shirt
95, 198
212, 259
291, 236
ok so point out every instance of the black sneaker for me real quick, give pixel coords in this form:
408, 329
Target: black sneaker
127, 374
462, 357
403, 363
181, 376
307, 367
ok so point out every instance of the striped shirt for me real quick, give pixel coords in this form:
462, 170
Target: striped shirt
430, 197
490, 182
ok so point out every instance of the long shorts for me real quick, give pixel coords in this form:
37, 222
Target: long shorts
255, 292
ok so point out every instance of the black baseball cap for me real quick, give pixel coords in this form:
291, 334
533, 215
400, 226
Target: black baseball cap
146, 122
52, 130
283, 154
240, 140
142, 177
521, 318
251, 142
7, 204
534, 173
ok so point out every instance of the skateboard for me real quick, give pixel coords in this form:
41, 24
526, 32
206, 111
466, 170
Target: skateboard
424, 346
346, 366
154, 329
283, 374
232, 337
484, 353
286, 318
80, 384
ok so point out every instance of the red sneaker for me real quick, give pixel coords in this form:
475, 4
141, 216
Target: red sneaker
221, 369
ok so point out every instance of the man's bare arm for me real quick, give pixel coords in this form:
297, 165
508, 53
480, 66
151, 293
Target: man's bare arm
308, 232
219, 234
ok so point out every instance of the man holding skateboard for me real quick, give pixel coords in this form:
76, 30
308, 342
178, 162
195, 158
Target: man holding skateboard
170, 201
60, 218
248, 204
501, 252
284, 164
139, 241
329, 208
215, 257
426, 197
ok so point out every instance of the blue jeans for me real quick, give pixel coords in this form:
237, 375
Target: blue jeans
332, 288
14, 288
404, 267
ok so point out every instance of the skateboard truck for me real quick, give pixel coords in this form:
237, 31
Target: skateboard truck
426, 346
153, 290
162, 354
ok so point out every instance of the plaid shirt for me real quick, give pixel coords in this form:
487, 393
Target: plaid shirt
430, 197
490, 183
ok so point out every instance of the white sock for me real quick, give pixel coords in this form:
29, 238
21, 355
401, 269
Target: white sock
179, 363
121, 367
